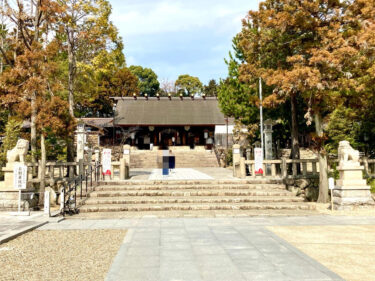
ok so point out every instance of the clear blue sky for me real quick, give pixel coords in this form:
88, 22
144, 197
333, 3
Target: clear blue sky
176, 37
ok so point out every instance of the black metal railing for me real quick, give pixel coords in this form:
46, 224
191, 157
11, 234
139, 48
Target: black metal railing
88, 177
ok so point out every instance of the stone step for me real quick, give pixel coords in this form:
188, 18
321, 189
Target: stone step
192, 182
190, 199
197, 207
192, 186
189, 192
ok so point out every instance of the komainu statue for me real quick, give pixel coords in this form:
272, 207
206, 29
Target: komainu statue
347, 154
19, 152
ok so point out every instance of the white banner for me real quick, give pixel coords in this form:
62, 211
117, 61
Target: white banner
19, 176
106, 161
258, 157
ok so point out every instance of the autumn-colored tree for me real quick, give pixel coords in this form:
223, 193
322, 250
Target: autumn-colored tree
121, 84
189, 85
315, 65
29, 22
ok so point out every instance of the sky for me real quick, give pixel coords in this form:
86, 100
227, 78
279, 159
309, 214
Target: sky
175, 37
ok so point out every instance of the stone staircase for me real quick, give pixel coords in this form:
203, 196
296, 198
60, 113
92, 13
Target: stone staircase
184, 158
193, 195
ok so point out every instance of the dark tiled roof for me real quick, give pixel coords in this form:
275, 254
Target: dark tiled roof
165, 111
98, 122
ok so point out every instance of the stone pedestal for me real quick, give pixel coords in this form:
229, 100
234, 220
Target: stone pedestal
7, 184
351, 189
9, 195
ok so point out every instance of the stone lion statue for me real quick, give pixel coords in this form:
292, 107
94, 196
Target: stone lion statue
19, 152
347, 153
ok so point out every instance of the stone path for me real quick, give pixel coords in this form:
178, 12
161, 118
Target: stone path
12, 226
211, 248
211, 173
179, 174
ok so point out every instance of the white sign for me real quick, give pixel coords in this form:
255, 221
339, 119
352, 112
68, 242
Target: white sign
236, 151
331, 183
126, 151
19, 176
258, 157
47, 203
106, 161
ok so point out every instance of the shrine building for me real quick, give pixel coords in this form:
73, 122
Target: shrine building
150, 122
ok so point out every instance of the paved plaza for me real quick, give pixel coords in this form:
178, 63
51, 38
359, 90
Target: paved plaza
11, 225
179, 174
211, 248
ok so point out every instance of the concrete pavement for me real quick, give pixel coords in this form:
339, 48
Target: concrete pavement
211, 248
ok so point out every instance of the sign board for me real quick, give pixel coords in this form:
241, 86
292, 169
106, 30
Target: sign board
236, 151
258, 157
331, 183
126, 151
106, 161
20, 176
47, 203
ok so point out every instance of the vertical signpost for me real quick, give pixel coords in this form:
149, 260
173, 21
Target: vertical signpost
19, 181
258, 157
331, 185
106, 161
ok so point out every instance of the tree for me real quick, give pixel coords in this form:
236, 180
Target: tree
148, 83
211, 89
121, 84
167, 87
30, 23
189, 85
237, 99
315, 63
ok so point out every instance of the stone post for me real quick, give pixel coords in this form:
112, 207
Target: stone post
81, 141
268, 139
268, 143
126, 159
236, 160
242, 168
351, 189
97, 156
284, 167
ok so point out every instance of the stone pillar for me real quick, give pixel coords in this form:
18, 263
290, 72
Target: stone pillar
268, 139
126, 161
97, 156
81, 141
242, 168
236, 160
351, 189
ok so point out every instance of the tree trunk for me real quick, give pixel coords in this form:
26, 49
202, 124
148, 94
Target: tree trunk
33, 128
323, 165
72, 66
72, 69
295, 153
42, 169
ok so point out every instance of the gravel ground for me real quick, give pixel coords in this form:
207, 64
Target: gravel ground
60, 255
348, 251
